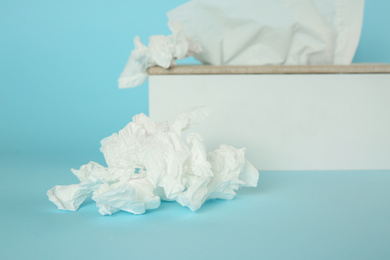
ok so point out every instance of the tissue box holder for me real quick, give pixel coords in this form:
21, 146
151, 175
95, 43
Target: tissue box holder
287, 117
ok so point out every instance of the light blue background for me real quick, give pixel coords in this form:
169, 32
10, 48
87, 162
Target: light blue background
60, 60
59, 64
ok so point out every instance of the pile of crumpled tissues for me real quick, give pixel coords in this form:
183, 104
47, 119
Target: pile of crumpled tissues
149, 161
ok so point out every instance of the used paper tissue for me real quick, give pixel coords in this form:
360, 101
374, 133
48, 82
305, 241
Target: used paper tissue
272, 32
149, 161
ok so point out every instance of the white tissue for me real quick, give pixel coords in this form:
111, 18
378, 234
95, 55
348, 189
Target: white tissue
148, 161
259, 32
162, 51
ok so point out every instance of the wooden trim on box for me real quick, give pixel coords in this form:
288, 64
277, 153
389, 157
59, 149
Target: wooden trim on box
271, 69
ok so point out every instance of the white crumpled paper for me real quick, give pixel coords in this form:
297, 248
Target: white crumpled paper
259, 32
162, 51
149, 161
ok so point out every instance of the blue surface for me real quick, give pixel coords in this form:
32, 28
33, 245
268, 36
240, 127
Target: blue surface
291, 215
59, 62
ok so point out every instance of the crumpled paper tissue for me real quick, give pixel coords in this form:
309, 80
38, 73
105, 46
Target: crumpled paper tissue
274, 32
162, 51
149, 161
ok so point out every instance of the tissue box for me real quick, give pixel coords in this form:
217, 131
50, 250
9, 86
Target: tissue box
287, 117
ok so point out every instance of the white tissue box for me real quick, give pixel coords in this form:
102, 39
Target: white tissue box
287, 117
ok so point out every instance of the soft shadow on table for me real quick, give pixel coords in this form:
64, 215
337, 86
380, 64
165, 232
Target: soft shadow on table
266, 185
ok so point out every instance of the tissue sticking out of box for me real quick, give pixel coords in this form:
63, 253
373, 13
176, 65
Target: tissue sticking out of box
162, 51
149, 161
272, 32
